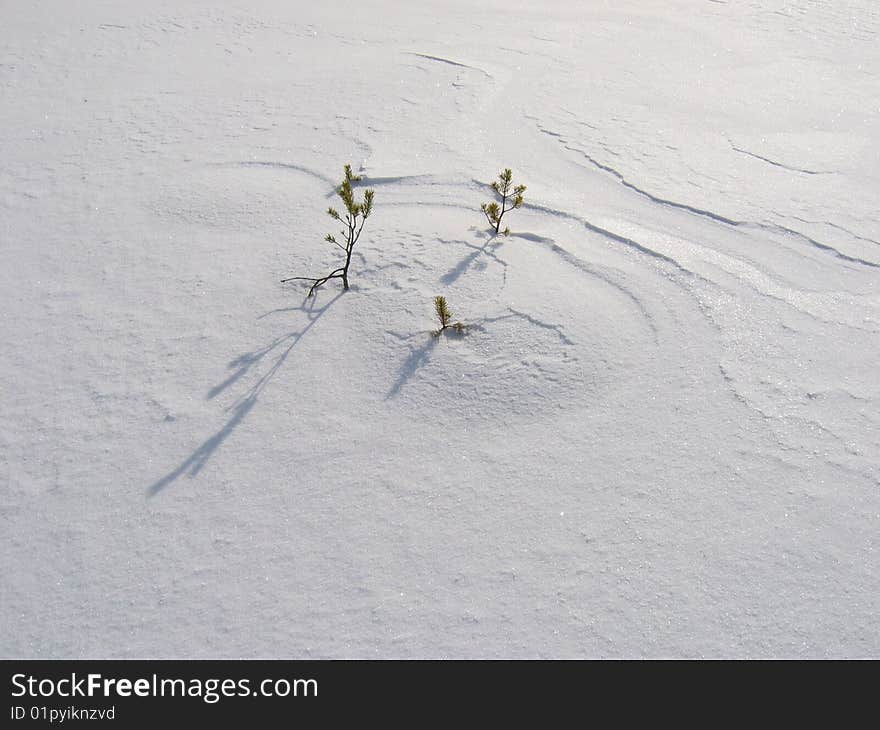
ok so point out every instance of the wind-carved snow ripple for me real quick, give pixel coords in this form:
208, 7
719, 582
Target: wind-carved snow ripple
597, 271
703, 212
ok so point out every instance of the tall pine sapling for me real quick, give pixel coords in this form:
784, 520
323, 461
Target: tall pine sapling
353, 221
504, 188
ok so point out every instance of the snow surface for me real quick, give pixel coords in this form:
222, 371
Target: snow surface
659, 438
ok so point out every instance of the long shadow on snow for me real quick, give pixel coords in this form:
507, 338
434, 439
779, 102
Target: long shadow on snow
418, 356
194, 463
488, 249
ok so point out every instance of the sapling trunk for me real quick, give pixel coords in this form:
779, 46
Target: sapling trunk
503, 187
353, 221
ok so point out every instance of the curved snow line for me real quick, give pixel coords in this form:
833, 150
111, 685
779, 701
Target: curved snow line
449, 62
839, 228
611, 235
782, 419
717, 217
277, 165
739, 397
778, 164
813, 242
585, 268
555, 328
627, 184
566, 340
831, 307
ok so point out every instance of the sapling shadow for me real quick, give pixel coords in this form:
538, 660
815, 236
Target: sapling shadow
241, 365
420, 354
490, 244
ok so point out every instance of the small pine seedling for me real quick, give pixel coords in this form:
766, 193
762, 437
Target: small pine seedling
441, 308
353, 221
509, 194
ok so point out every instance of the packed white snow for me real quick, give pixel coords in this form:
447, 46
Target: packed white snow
660, 436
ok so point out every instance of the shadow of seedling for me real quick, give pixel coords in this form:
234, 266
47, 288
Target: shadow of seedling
487, 249
279, 348
420, 353
426, 342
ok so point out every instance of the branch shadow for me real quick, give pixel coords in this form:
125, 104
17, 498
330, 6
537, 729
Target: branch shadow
464, 264
418, 356
196, 461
